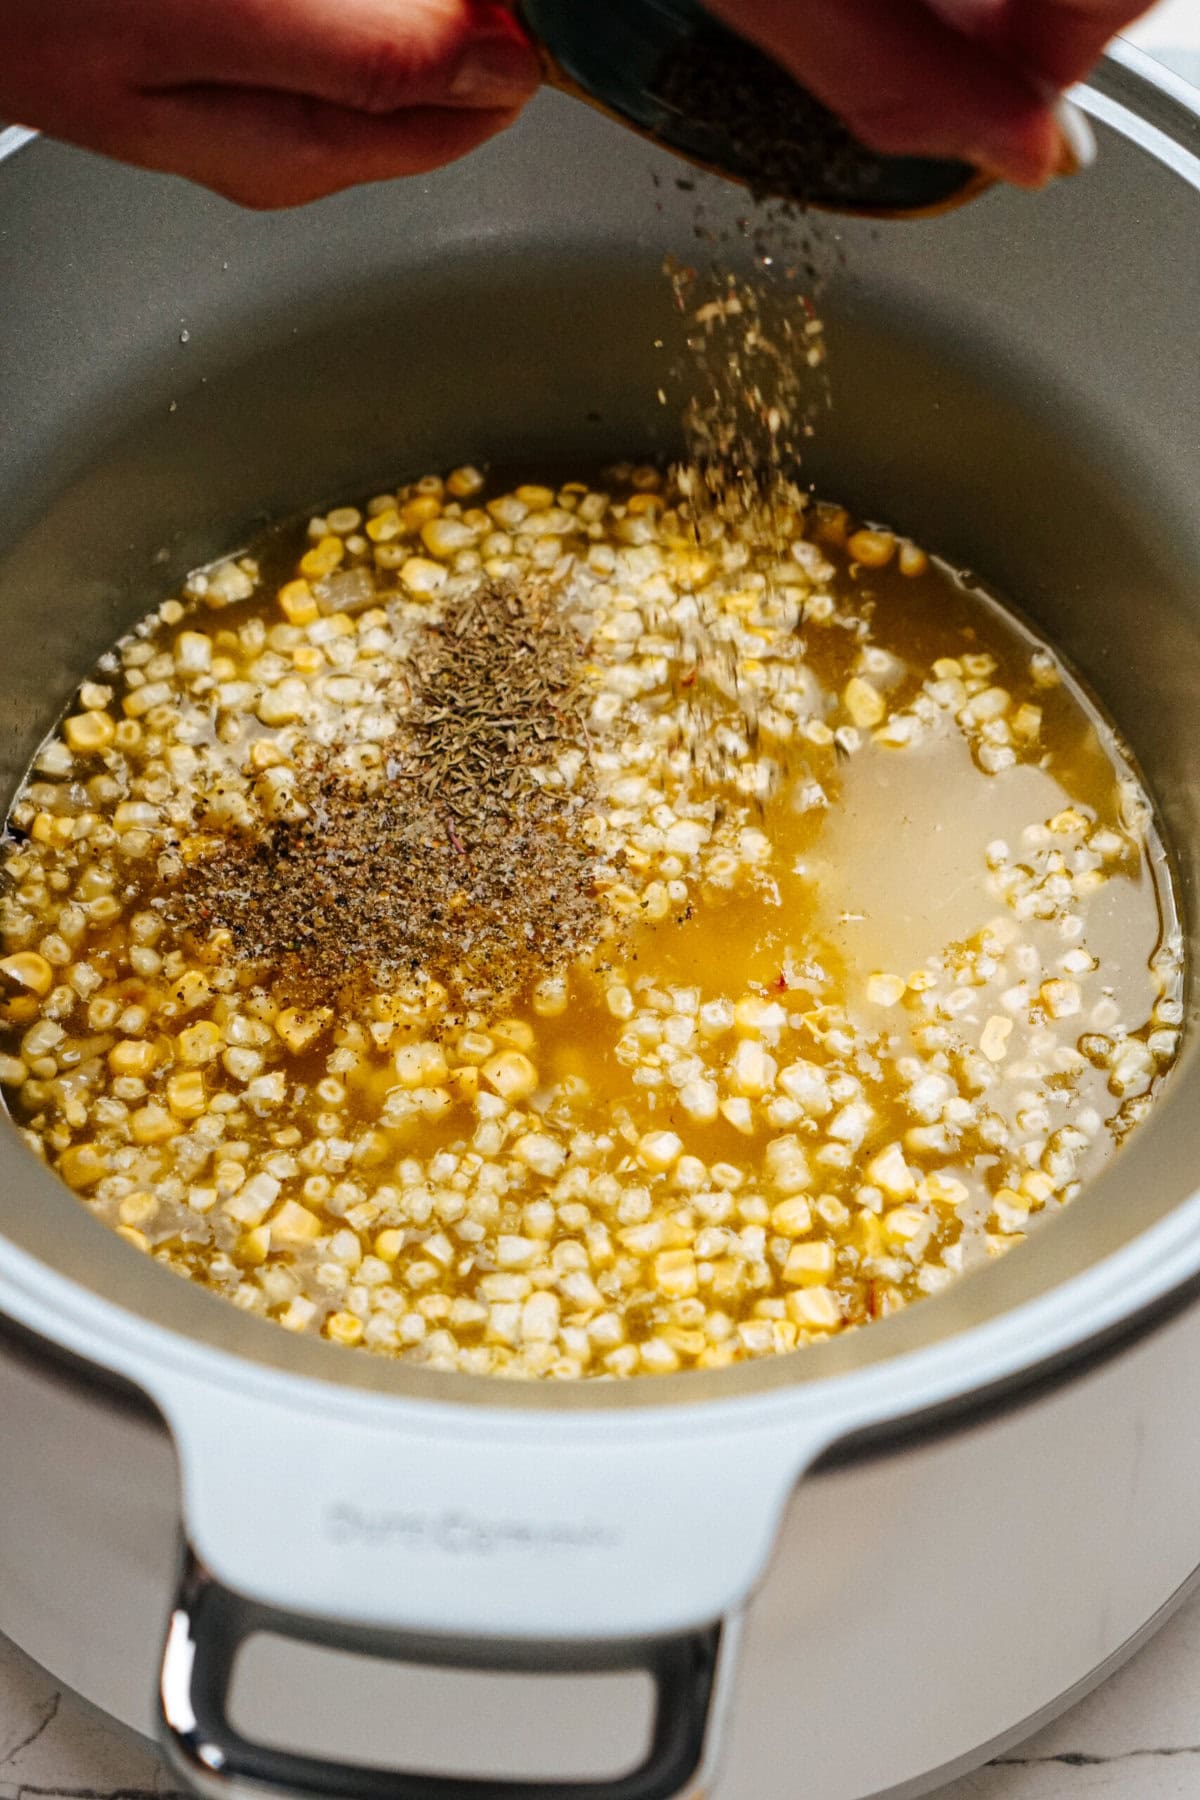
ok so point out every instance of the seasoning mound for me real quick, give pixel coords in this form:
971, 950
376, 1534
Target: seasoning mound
456, 855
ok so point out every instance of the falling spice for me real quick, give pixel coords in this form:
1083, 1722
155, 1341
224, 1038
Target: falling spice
460, 858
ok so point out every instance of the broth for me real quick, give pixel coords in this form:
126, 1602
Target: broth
840, 943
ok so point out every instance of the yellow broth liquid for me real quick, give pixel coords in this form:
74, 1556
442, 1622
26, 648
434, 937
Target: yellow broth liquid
896, 926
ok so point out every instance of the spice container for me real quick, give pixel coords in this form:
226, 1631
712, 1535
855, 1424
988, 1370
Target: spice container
672, 71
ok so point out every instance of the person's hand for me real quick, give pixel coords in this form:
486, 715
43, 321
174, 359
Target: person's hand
270, 102
974, 79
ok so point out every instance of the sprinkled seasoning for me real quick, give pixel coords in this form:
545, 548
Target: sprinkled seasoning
447, 854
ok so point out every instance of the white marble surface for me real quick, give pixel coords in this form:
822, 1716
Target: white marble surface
1135, 1738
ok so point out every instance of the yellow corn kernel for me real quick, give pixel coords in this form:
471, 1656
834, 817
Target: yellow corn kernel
462, 483
308, 659
297, 602
423, 577
344, 1328
809, 1264
89, 732
873, 549
419, 511
888, 1170
384, 526
191, 990
420, 1065
994, 1038
913, 560
82, 1165
536, 498
389, 1244
132, 1056
137, 1209
463, 1083
28, 970
549, 998
643, 503
863, 701
943, 1189
254, 1246
814, 1309
659, 1151
513, 1034
793, 1217
904, 1224
868, 1234
185, 1094
675, 1274
137, 1239
152, 1124
294, 1224
511, 1075
322, 559
301, 1026
885, 990
199, 1043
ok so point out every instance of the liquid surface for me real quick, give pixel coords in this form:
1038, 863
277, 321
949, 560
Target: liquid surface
839, 945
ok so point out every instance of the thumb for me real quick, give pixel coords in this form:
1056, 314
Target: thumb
371, 56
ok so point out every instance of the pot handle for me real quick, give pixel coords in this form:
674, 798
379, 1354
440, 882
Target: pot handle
209, 1623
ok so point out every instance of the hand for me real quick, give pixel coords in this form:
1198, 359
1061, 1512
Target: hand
974, 79
270, 102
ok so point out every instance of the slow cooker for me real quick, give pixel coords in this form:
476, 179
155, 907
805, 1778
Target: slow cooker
852, 1571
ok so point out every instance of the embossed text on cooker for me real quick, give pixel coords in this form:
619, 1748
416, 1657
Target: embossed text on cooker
460, 1533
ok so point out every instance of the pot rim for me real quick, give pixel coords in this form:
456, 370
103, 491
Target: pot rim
999, 1328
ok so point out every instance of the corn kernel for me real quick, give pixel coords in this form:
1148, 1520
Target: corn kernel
889, 1171
294, 1224
300, 1027
419, 511
152, 1124
83, 1165
137, 1209
659, 1151
793, 1217
675, 1274
873, 549
511, 1075
254, 1246
344, 1328
132, 1056
863, 701
814, 1309
89, 732
885, 990
904, 1224
199, 1043
30, 971
322, 560
809, 1264
420, 1065
185, 1094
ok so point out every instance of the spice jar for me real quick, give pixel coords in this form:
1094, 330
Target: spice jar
676, 74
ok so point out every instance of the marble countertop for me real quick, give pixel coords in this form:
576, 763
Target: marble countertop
1136, 1738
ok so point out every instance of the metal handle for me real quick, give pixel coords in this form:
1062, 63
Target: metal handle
209, 1624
